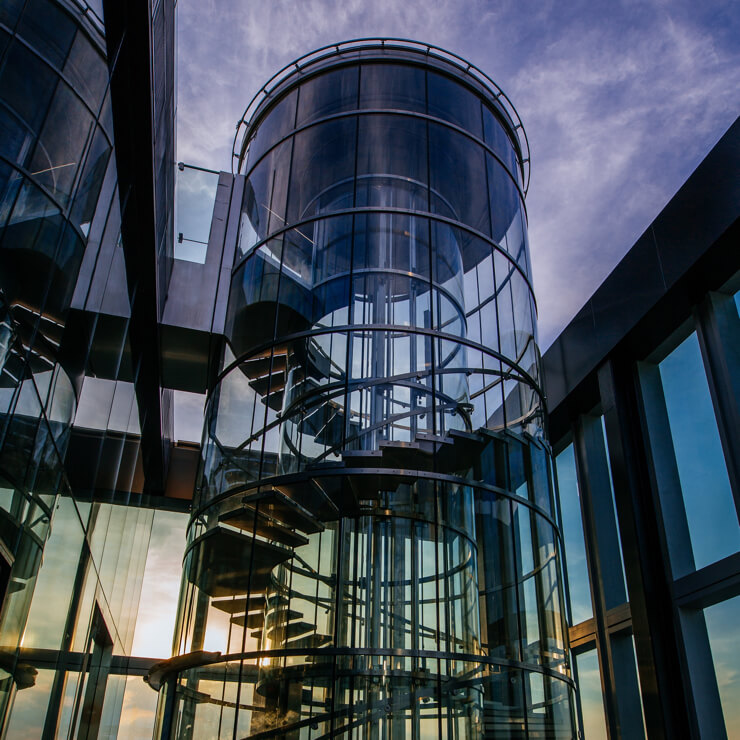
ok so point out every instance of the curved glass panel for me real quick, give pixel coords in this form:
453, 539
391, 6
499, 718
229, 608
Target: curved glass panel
322, 170
452, 102
457, 178
496, 137
330, 92
393, 86
278, 124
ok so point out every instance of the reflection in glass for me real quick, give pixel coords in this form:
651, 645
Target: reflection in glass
392, 86
591, 696
572, 525
195, 194
707, 496
723, 628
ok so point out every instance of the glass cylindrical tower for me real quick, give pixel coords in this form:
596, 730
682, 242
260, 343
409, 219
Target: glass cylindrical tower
373, 550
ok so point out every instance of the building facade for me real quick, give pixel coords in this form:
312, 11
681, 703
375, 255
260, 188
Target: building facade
371, 539
643, 399
76, 471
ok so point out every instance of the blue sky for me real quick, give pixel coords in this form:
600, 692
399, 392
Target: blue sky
620, 100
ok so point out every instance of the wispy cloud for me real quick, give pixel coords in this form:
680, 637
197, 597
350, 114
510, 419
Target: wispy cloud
617, 119
620, 101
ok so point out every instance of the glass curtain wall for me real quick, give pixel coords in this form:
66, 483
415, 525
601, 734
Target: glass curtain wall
373, 550
63, 616
55, 146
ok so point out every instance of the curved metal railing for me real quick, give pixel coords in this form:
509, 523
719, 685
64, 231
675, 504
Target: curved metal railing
354, 46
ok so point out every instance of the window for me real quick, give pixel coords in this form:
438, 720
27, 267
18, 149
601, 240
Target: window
710, 509
723, 628
591, 696
572, 528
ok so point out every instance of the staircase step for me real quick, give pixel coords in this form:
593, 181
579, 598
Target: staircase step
264, 366
274, 400
224, 561
240, 604
257, 619
272, 383
285, 509
313, 497
258, 522
290, 630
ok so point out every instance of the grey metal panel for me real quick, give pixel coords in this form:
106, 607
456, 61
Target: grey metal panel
189, 313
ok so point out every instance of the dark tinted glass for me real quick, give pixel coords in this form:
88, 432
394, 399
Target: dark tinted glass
91, 180
332, 238
329, 93
265, 196
497, 138
14, 136
702, 470
27, 85
87, 71
9, 184
393, 86
10, 11
48, 29
106, 116
62, 141
321, 178
392, 162
504, 199
457, 179
278, 123
453, 102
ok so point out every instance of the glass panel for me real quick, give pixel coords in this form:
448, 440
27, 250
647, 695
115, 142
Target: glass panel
28, 712
60, 146
138, 710
56, 579
392, 86
48, 29
88, 190
265, 193
710, 508
497, 138
10, 11
392, 162
505, 211
95, 403
452, 102
331, 92
457, 179
591, 696
321, 178
155, 621
723, 628
572, 527
87, 70
614, 509
279, 123
195, 196
27, 84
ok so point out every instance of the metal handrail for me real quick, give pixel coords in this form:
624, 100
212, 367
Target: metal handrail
357, 45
